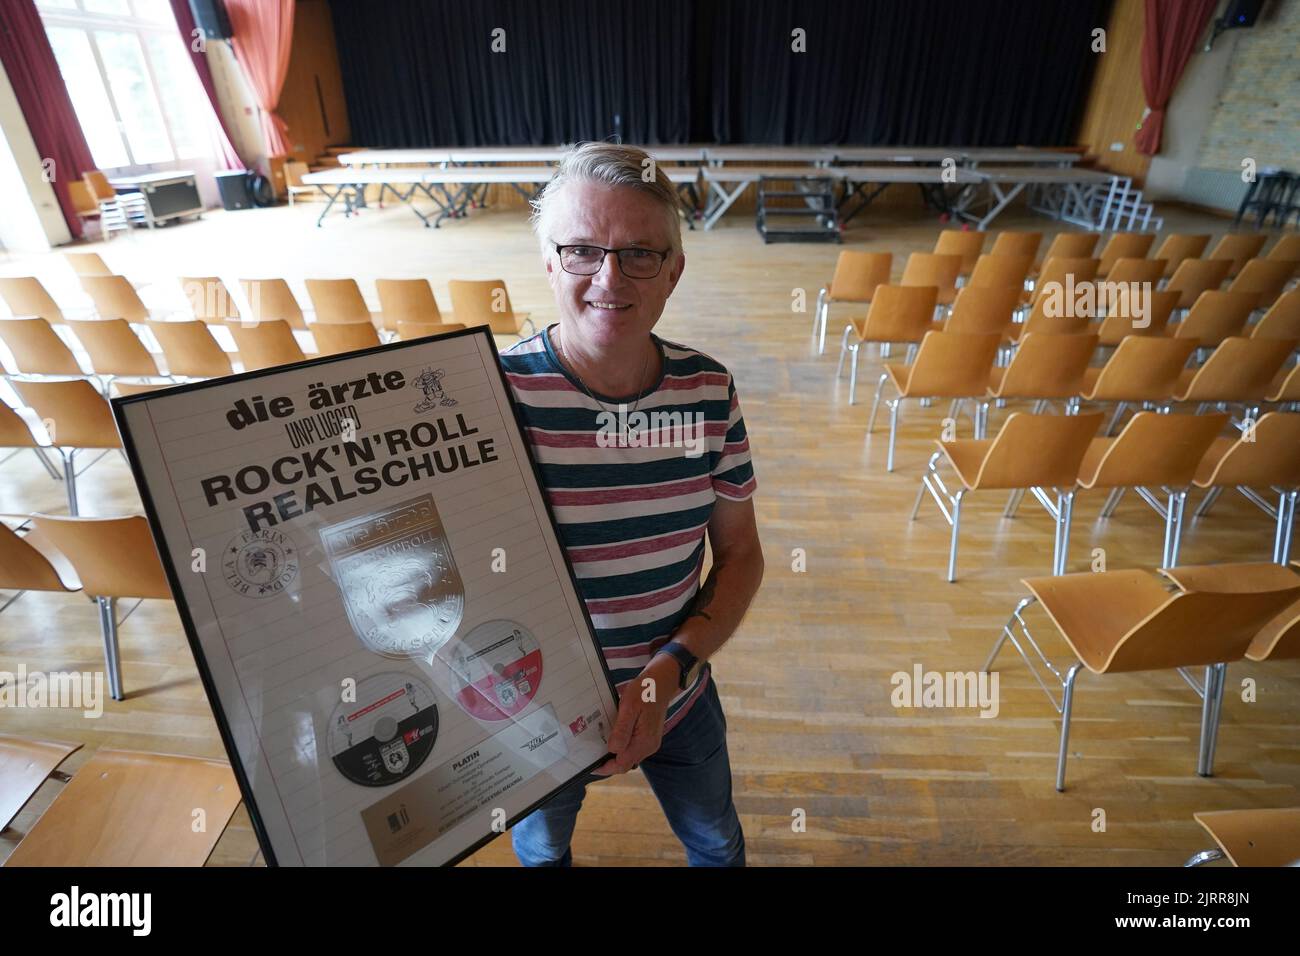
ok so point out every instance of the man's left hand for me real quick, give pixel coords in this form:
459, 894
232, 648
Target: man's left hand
639, 728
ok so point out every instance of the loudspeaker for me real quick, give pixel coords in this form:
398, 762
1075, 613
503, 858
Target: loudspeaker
1241, 13
236, 189
210, 16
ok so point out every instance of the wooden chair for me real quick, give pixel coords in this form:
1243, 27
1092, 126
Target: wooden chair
1143, 369
1137, 270
76, 417
1194, 276
191, 350
418, 330
1285, 388
406, 300
265, 344
27, 298
125, 808
1123, 245
270, 299
1287, 247
1264, 279
24, 765
932, 269
338, 301
115, 298
1215, 316
210, 300
1125, 319
113, 558
1062, 274
967, 243
1238, 248
1001, 270
898, 314
1129, 621
1010, 243
1279, 639
1256, 837
1282, 320
88, 263
15, 433
1067, 245
113, 347
29, 562
1030, 452
293, 184
979, 310
1265, 455
334, 339
857, 274
1153, 451
37, 349
1179, 246
1046, 367
87, 207
1239, 370
947, 365
487, 302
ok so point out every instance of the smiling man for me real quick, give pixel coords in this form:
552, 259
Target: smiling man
633, 513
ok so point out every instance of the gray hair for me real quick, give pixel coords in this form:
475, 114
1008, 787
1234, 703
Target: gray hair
611, 164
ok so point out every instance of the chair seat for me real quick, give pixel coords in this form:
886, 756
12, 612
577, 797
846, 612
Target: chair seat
1213, 455
1267, 837
899, 375
966, 455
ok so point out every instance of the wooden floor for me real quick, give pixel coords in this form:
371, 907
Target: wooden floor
806, 680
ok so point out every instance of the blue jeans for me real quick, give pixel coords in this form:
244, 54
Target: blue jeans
689, 774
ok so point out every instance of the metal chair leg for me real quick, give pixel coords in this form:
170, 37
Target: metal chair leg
70, 479
1064, 511
1285, 528
1173, 528
1112, 502
875, 402
1013, 502
825, 319
1114, 420
1205, 856
893, 431
1211, 704
817, 315
920, 492
1067, 708
108, 628
1207, 502
844, 347
49, 465
853, 374
956, 529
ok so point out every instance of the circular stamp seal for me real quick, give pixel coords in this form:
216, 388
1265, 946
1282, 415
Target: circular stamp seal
259, 564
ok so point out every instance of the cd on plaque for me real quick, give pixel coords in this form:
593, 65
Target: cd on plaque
398, 580
386, 734
496, 668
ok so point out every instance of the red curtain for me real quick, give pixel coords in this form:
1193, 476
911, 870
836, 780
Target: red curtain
42, 96
263, 35
185, 22
1172, 29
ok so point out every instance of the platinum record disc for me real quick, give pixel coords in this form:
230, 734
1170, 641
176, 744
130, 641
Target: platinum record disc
387, 733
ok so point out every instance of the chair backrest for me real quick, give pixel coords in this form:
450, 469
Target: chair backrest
483, 302
14, 432
418, 330
99, 185
124, 808
126, 387
114, 298
294, 170
37, 349
191, 350
265, 344
1054, 312
1127, 314
1215, 316
76, 414
1058, 269
967, 243
1124, 245
210, 300
952, 365
333, 338
1017, 244
1282, 320
1144, 368
1047, 366
27, 298
113, 347
1153, 449
28, 563
270, 299
997, 269
1285, 386
897, 313
1137, 270
1287, 247
981, 309
87, 263
25, 765
1179, 246
1037, 451
1264, 279
1072, 245
1239, 370
930, 268
83, 200
337, 300
113, 557
856, 275
1266, 455
1238, 248
1279, 639
406, 300
1194, 276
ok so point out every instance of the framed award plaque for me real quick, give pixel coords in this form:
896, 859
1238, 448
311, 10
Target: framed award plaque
384, 620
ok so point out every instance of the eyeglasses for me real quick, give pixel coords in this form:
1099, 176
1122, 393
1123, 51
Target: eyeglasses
587, 260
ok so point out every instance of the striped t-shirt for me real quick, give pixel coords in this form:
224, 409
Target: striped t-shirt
633, 504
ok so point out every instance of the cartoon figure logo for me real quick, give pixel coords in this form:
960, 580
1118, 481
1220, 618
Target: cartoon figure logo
430, 382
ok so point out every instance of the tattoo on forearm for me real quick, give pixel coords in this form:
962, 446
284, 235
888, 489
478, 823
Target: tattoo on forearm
704, 597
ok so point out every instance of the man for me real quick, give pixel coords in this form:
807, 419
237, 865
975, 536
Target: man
634, 504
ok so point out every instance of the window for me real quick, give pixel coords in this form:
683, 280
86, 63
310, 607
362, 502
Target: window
132, 85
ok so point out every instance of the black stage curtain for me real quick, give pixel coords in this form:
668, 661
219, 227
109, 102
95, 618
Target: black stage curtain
896, 72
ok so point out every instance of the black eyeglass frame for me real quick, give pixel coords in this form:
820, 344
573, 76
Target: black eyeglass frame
559, 251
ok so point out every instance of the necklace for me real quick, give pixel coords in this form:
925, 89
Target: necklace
560, 348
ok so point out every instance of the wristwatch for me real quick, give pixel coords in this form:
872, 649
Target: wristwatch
688, 662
